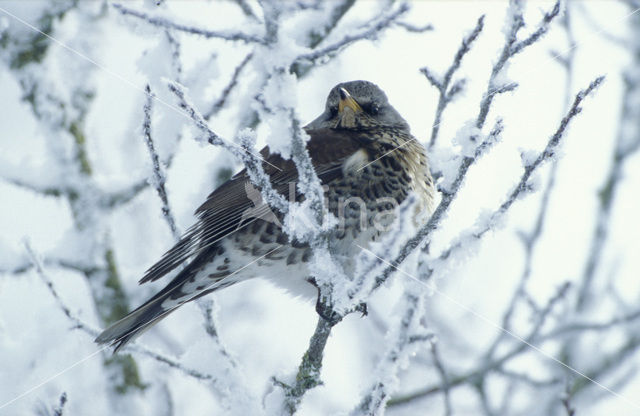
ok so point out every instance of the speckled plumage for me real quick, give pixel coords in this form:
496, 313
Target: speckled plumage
364, 153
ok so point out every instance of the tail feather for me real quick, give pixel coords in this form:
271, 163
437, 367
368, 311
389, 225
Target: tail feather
135, 323
153, 311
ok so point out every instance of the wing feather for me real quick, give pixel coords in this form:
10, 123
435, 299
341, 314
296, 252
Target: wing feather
221, 213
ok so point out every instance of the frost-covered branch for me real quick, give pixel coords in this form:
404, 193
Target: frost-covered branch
444, 378
159, 178
222, 100
626, 145
447, 93
524, 184
490, 364
160, 21
449, 192
397, 354
91, 330
369, 31
543, 27
78, 323
245, 152
512, 47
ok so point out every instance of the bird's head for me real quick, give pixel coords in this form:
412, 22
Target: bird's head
358, 105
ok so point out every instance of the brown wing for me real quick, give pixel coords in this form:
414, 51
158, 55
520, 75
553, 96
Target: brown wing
221, 213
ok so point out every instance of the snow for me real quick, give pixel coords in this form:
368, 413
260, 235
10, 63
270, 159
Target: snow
468, 138
266, 331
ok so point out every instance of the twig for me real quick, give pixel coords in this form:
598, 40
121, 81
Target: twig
446, 94
59, 410
371, 30
245, 153
169, 24
159, 177
377, 397
221, 101
219, 386
437, 362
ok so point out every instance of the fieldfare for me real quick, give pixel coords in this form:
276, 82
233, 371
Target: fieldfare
365, 156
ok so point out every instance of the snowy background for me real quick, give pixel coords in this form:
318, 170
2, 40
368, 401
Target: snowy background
539, 316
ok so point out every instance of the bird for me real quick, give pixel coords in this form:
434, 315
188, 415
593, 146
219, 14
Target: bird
368, 161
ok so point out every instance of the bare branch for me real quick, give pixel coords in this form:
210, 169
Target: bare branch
159, 177
245, 152
370, 30
437, 362
543, 27
447, 94
169, 24
222, 100
415, 29
308, 375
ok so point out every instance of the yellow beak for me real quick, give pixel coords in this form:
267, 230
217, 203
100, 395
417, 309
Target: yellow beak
346, 100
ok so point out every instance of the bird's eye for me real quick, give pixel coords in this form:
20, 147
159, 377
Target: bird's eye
371, 108
333, 111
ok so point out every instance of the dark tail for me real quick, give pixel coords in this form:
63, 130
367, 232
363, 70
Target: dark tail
151, 312
136, 322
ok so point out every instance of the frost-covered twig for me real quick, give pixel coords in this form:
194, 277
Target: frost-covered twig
444, 378
163, 22
626, 145
396, 355
369, 31
159, 177
414, 28
308, 375
531, 239
523, 186
491, 364
543, 27
78, 323
131, 347
449, 193
206, 307
221, 101
446, 94
245, 152
246, 9
512, 47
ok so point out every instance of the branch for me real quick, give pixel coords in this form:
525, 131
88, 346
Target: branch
159, 177
475, 376
123, 197
168, 24
543, 28
220, 102
447, 94
509, 50
370, 30
627, 144
244, 153
218, 385
376, 399
523, 185
308, 375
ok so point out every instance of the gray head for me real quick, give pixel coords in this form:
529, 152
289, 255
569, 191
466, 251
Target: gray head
358, 105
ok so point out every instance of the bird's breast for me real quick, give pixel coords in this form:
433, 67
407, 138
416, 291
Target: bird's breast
354, 163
